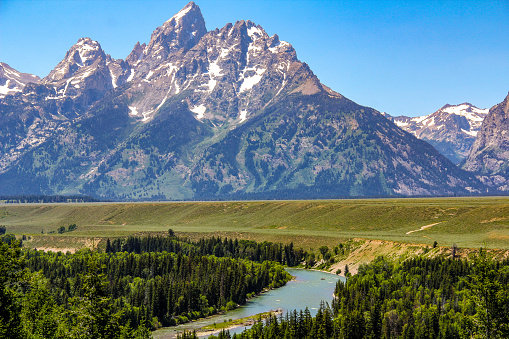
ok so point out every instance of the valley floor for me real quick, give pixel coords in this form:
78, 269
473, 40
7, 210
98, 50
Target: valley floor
466, 222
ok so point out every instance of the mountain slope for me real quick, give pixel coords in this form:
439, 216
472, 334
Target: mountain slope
221, 114
489, 157
46, 107
330, 145
12, 81
452, 130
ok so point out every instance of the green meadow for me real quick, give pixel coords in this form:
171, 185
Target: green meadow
466, 222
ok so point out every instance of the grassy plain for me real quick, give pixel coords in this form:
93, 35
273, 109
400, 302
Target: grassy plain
467, 222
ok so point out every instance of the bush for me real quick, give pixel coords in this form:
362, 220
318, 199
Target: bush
230, 305
8, 238
3, 229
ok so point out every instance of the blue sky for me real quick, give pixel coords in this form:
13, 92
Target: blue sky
401, 57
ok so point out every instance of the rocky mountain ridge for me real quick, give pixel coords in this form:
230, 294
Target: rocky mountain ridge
452, 129
489, 157
197, 114
12, 81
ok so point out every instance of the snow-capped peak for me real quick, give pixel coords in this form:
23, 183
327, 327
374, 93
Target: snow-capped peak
467, 110
79, 57
473, 115
12, 81
452, 129
87, 49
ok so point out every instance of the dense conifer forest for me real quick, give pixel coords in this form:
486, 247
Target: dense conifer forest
420, 298
142, 283
241, 249
131, 288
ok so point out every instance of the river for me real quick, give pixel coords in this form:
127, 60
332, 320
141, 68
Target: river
306, 290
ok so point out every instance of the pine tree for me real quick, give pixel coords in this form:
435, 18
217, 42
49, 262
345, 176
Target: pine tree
491, 299
93, 314
11, 277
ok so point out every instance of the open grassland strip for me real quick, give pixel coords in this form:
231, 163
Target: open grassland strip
466, 222
64, 244
357, 252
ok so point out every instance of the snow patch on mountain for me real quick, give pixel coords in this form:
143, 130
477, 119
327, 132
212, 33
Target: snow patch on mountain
215, 70
147, 115
472, 133
131, 76
113, 80
243, 115
249, 82
148, 76
280, 45
133, 111
6, 90
401, 123
199, 111
254, 32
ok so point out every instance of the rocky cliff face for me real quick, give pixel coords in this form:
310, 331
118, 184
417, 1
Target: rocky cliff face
452, 129
42, 109
489, 157
225, 75
84, 75
229, 113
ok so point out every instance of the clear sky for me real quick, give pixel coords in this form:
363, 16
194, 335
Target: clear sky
400, 57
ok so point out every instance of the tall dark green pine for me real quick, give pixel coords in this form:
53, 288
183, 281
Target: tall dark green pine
108, 246
11, 275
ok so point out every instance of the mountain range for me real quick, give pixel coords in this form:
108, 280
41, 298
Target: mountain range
230, 113
452, 129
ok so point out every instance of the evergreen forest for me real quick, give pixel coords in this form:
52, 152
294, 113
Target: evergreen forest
131, 289
421, 298
138, 284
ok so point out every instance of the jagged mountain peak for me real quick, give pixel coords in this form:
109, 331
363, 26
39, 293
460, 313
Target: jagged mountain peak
225, 74
13, 81
181, 31
136, 54
251, 32
82, 54
85, 74
197, 114
188, 10
188, 21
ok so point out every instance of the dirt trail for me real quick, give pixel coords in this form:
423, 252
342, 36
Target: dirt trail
424, 227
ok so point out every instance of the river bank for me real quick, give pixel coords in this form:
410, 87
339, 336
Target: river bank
306, 290
234, 324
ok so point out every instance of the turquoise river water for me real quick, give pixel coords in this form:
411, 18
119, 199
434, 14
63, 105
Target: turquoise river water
306, 290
